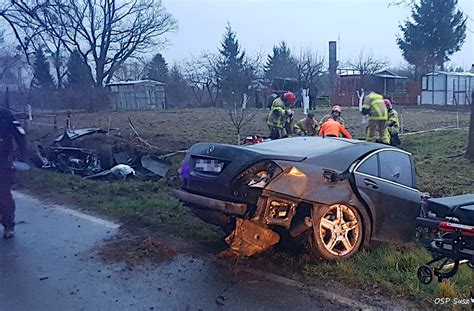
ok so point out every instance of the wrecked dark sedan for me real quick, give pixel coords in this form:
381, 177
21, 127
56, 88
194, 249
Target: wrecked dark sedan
335, 195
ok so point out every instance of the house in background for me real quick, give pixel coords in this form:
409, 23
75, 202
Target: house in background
447, 88
385, 82
137, 95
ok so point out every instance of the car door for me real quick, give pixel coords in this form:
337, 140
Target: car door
385, 179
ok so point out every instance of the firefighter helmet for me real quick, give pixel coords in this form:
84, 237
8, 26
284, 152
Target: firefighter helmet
290, 98
336, 108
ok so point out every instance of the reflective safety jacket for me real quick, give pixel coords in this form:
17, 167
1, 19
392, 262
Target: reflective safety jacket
375, 107
333, 128
393, 123
277, 116
305, 127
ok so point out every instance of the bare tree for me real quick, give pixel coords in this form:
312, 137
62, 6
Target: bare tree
203, 77
107, 32
131, 70
194, 75
239, 118
366, 65
212, 80
8, 58
310, 67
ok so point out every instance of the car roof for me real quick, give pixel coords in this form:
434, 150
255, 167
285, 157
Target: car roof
343, 151
310, 146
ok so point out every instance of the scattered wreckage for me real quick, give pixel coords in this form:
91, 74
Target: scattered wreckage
330, 194
95, 161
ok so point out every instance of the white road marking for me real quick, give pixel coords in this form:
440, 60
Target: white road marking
90, 218
96, 220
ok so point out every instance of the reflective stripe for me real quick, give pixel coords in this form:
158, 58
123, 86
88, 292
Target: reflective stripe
274, 119
393, 119
376, 106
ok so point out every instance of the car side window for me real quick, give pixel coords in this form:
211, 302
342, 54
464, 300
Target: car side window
369, 166
396, 166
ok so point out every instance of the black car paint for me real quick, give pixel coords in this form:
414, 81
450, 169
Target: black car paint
388, 222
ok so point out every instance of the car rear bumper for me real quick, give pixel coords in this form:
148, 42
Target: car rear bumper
196, 200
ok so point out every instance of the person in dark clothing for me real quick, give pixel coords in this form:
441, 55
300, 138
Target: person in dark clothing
10, 130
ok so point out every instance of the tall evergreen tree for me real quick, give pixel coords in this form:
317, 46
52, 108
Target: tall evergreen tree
281, 64
41, 75
436, 31
231, 69
79, 74
157, 69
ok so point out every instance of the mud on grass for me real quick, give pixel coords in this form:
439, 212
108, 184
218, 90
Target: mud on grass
135, 249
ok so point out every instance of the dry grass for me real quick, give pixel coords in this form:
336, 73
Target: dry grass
179, 129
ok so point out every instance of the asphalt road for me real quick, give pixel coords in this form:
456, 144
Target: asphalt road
52, 264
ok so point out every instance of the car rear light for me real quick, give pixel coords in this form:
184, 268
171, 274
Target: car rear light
184, 171
258, 175
445, 226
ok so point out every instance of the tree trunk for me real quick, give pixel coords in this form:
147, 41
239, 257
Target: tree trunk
470, 145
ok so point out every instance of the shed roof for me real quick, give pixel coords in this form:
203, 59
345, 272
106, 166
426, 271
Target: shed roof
449, 73
388, 74
153, 82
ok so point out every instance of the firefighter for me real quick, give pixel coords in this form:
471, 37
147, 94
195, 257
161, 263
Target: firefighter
335, 115
10, 130
281, 115
333, 128
374, 106
393, 124
307, 126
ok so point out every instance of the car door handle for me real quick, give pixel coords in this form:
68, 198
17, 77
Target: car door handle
371, 184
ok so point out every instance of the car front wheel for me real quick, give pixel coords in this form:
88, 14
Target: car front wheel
337, 231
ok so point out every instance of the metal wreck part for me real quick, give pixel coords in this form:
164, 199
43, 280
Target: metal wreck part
69, 135
156, 166
73, 160
249, 238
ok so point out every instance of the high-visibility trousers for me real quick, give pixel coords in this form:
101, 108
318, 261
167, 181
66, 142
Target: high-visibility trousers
381, 127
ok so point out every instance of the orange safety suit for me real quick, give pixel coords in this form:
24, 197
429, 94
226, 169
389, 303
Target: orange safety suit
333, 128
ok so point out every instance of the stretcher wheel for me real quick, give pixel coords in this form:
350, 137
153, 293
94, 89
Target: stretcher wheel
425, 274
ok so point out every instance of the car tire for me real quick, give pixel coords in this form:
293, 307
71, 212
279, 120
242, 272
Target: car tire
337, 231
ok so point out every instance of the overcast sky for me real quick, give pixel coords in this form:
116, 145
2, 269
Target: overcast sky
369, 25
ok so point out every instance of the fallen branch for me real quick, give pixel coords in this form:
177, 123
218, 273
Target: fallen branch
138, 138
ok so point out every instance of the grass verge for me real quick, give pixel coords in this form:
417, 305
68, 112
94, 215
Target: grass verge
387, 270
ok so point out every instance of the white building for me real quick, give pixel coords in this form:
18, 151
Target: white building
137, 95
447, 88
